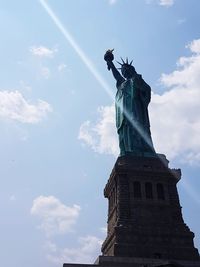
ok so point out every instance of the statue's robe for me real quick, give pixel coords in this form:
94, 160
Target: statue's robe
132, 120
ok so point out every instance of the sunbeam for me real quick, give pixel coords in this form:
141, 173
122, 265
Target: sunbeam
89, 64
191, 191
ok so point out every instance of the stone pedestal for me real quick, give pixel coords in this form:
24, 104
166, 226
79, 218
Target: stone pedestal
144, 216
145, 224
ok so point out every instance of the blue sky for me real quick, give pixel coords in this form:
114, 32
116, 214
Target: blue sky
57, 135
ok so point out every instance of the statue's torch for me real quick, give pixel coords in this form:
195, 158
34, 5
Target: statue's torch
109, 56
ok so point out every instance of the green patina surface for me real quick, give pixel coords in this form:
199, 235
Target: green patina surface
131, 102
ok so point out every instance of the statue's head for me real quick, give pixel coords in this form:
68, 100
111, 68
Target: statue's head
127, 70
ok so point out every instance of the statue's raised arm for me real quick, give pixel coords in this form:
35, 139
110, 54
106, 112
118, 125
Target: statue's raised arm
109, 57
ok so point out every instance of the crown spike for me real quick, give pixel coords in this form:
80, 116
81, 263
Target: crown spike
119, 63
122, 60
126, 60
131, 62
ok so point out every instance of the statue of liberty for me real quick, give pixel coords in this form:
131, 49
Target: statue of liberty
131, 103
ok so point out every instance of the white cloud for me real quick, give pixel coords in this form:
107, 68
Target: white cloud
194, 46
175, 120
15, 107
112, 2
175, 114
42, 51
101, 137
86, 252
166, 3
55, 217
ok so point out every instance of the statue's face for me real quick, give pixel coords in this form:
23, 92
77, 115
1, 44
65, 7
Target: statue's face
128, 71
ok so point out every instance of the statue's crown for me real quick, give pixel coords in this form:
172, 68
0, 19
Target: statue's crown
125, 64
